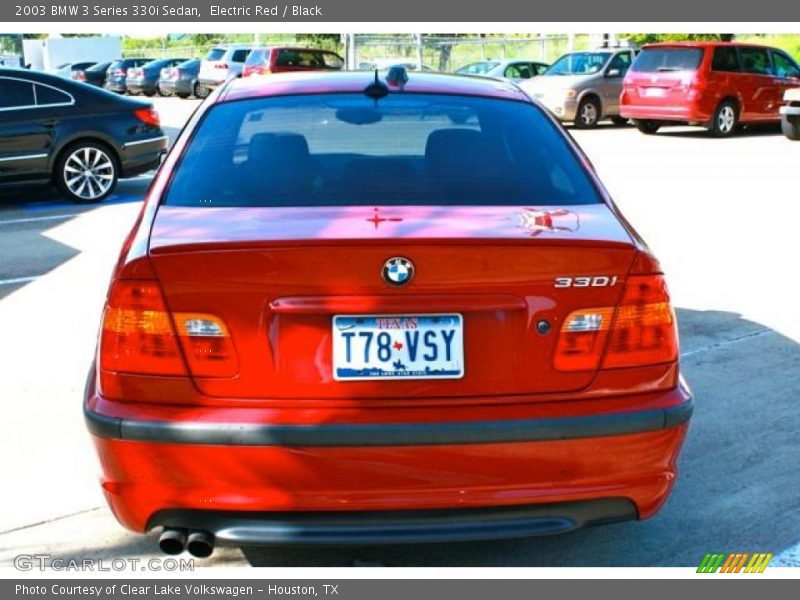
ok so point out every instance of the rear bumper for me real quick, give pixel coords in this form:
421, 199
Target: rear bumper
136, 86
396, 527
142, 155
680, 114
330, 482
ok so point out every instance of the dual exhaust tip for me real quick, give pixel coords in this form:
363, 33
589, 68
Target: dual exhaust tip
174, 541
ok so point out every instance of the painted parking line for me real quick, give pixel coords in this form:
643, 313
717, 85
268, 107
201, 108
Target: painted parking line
35, 219
18, 280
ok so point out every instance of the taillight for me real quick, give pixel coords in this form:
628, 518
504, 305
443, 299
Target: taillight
221, 66
644, 331
207, 345
640, 330
118, 73
582, 339
79, 76
137, 335
148, 115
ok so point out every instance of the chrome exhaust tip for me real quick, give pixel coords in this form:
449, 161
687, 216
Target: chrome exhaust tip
172, 541
200, 544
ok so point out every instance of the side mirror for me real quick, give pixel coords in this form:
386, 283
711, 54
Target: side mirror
613, 73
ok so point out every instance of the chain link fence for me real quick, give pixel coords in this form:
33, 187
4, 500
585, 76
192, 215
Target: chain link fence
367, 51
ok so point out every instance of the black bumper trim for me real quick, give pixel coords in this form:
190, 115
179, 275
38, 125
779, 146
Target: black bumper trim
395, 527
385, 434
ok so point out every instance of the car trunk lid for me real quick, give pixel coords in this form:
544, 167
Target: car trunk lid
277, 277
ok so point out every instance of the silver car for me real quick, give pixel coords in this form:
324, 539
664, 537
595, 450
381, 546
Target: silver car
515, 70
221, 63
584, 87
790, 114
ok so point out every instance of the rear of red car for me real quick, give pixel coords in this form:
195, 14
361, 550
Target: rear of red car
355, 314
265, 61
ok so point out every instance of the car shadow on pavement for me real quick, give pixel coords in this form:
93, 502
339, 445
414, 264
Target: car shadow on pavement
766, 130
738, 488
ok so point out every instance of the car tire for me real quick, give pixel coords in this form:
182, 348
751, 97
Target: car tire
182, 96
201, 91
647, 126
791, 128
726, 119
164, 94
149, 94
619, 121
86, 185
588, 114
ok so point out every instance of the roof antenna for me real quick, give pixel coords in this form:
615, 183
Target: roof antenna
377, 89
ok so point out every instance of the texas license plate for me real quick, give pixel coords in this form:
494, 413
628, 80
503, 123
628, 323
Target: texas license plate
398, 347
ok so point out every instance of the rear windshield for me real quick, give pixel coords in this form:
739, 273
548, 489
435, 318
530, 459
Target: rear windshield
579, 63
406, 149
215, 54
655, 60
310, 59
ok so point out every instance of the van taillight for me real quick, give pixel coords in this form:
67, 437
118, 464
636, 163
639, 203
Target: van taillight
640, 331
221, 66
137, 335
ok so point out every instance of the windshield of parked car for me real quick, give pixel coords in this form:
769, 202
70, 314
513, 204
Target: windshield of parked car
405, 149
578, 63
655, 60
478, 68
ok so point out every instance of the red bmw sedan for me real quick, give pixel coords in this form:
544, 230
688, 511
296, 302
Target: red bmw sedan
361, 310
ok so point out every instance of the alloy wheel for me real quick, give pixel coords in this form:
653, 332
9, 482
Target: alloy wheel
726, 119
89, 173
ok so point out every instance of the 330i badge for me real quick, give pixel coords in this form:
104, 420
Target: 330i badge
343, 287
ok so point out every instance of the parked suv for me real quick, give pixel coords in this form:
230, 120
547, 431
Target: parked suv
583, 87
263, 61
222, 62
717, 85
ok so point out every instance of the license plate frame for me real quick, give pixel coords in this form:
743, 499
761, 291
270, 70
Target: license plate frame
400, 328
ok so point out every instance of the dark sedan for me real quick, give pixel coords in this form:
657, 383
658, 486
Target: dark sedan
182, 81
80, 138
144, 79
94, 75
117, 77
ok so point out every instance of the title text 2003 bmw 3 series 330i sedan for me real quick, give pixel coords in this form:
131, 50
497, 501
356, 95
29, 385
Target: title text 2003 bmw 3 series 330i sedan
357, 311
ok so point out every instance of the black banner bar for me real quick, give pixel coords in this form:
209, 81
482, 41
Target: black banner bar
361, 11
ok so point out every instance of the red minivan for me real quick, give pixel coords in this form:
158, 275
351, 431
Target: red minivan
263, 61
717, 85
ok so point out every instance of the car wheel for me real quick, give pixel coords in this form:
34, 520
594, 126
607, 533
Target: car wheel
86, 172
726, 119
791, 129
619, 121
201, 91
149, 94
182, 96
588, 114
164, 93
647, 126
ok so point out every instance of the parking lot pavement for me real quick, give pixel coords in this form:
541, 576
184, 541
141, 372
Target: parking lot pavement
720, 214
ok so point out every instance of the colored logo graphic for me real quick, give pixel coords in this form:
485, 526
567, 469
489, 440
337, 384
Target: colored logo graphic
737, 562
398, 271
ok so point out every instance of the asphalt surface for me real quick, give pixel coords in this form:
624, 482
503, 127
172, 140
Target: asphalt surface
721, 215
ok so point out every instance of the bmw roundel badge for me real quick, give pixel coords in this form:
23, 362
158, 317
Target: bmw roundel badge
398, 271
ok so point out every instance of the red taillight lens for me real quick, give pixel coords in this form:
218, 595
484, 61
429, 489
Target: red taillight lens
207, 345
137, 335
148, 115
118, 73
644, 331
640, 331
221, 66
582, 339
79, 76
